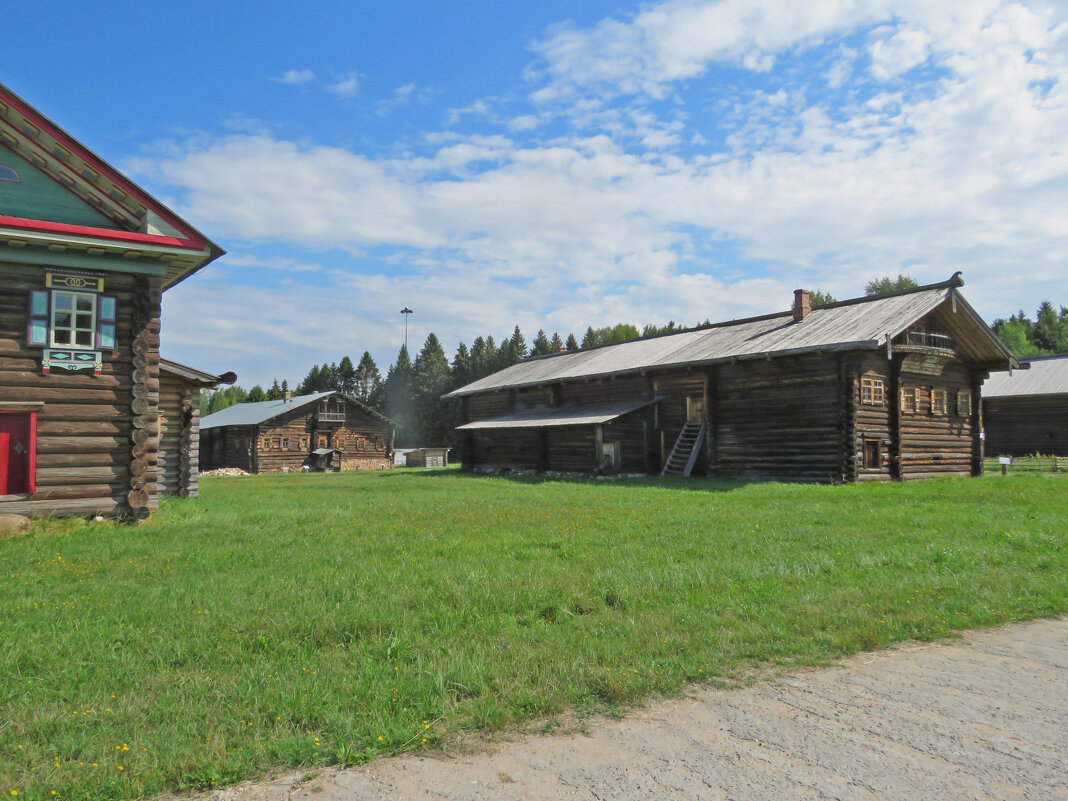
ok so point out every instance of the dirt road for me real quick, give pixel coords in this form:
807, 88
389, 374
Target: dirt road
984, 717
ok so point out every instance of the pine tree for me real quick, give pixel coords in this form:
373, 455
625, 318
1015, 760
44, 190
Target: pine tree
345, 376
367, 382
513, 349
275, 392
431, 380
540, 346
571, 343
555, 343
397, 398
461, 367
590, 339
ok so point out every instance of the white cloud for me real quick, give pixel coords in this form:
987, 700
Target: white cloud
896, 52
294, 77
347, 85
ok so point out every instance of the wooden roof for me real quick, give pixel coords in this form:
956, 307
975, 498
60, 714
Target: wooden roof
145, 230
866, 323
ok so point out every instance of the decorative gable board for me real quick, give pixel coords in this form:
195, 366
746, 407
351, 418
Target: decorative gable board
36, 196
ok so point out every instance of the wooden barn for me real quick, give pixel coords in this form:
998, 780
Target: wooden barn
85, 256
324, 431
178, 464
427, 457
1026, 412
865, 389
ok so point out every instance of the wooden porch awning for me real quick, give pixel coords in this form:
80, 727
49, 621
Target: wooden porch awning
559, 416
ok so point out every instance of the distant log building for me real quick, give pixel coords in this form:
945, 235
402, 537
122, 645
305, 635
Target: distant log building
865, 389
324, 431
85, 257
1027, 412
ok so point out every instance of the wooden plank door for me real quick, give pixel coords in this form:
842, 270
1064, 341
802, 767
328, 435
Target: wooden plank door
695, 409
18, 453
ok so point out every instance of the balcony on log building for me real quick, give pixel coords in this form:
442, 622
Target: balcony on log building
925, 342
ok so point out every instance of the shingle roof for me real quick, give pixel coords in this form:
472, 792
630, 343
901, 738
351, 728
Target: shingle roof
862, 323
1048, 375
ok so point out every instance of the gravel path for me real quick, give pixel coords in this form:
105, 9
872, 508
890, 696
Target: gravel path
984, 717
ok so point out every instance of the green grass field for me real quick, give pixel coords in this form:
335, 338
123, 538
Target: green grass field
301, 620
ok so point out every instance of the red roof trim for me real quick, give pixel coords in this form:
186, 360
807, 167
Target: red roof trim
99, 233
87, 155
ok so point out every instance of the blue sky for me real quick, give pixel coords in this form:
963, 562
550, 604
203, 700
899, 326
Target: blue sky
558, 165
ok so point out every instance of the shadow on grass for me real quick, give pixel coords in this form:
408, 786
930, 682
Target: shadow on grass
696, 484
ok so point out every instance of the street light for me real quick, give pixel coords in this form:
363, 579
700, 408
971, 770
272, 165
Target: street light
406, 311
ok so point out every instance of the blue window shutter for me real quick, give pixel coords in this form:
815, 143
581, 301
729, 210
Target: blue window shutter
37, 335
106, 308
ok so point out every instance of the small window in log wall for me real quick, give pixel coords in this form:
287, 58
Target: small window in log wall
938, 401
320, 442
285, 443
872, 456
304, 443
908, 399
964, 403
872, 391
380, 445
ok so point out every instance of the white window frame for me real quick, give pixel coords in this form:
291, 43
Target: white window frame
73, 328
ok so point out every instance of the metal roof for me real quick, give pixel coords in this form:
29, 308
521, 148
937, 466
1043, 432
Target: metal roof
250, 414
1048, 375
862, 323
559, 416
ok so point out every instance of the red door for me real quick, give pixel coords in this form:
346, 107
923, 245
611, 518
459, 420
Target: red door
18, 452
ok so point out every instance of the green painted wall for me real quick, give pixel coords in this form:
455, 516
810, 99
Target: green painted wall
38, 197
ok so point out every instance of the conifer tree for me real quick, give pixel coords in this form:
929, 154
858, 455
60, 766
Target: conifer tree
367, 381
431, 380
555, 343
275, 392
540, 346
571, 343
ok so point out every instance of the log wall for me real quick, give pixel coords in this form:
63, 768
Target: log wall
1024, 426
937, 444
778, 419
97, 436
179, 424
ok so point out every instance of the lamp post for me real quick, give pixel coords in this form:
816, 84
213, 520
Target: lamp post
406, 311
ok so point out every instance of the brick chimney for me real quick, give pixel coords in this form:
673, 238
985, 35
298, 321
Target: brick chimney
287, 396
802, 305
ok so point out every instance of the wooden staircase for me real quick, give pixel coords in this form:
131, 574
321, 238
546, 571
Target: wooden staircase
687, 448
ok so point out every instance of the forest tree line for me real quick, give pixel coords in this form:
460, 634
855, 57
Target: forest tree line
410, 392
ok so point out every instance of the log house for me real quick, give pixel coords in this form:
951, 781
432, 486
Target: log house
323, 431
864, 389
1026, 412
85, 256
